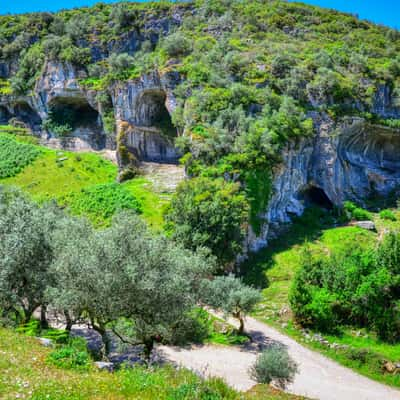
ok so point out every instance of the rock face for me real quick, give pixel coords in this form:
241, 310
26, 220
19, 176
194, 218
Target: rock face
352, 160
348, 160
142, 111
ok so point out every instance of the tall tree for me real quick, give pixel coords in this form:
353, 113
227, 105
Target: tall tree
25, 253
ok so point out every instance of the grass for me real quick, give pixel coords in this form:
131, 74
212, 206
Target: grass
73, 180
25, 373
273, 269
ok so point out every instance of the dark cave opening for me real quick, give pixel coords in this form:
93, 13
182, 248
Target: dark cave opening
315, 196
152, 112
75, 112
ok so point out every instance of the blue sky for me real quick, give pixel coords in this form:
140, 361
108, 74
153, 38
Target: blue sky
380, 11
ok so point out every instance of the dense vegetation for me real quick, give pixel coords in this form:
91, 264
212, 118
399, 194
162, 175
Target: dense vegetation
354, 344
125, 281
251, 72
14, 156
356, 287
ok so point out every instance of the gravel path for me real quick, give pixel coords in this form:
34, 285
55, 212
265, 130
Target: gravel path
318, 378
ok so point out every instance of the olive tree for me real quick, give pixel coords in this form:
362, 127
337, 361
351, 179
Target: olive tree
125, 276
232, 296
25, 254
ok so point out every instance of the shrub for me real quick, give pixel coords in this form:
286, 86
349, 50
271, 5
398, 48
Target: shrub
209, 213
101, 202
15, 156
274, 364
357, 287
177, 44
120, 62
354, 212
74, 355
388, 215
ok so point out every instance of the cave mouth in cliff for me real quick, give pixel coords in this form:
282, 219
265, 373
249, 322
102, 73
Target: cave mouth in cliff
75, 112
315, 196
152, 112
25, 113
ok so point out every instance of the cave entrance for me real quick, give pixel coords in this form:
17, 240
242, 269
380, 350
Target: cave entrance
75, 113
5, 115
315, 196
152, 112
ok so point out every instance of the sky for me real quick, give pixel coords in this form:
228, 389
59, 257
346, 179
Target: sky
380, 11
385, 12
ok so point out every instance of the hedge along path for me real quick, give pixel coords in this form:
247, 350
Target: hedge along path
318, 377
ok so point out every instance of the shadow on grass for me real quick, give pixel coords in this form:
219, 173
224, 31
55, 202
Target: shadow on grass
306, 228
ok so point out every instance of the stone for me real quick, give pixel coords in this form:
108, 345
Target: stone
105, 366
368, 225
45, 342
389, 367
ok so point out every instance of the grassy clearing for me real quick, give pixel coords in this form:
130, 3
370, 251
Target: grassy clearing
273, 269
25, 373
74, 180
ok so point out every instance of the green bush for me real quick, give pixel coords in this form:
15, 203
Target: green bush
274, 364
15, 156
209, 213
355, 287
73, 355
357, 213
388, 215
101, 202
177, 44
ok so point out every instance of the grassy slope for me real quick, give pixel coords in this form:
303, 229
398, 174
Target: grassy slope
54, 175
276, 266
25, 374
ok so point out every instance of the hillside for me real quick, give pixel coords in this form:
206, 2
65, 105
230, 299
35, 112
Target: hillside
235, 82
159, 147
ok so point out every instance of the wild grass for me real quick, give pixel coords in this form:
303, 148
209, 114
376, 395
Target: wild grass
83, 182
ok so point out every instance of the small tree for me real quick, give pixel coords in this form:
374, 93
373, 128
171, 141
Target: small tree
209, 213
274, 364
232, 296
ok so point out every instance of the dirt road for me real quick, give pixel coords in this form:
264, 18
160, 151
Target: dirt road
318, 378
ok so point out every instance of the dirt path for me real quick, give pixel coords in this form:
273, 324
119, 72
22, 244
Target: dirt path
319, 377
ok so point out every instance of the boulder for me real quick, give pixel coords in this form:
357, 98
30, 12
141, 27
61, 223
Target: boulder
45, 342
368, 225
